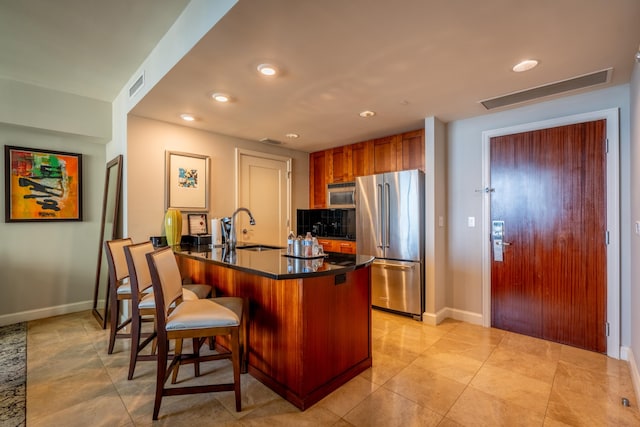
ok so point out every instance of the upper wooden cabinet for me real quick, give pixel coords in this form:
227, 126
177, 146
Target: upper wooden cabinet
361, 154
399, 152
318, 172
340, 164
411, 152
385, 154
343, 164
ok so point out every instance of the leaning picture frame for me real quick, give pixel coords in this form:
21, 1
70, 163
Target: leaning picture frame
42, 185
186, 181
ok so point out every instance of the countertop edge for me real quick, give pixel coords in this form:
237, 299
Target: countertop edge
339, 270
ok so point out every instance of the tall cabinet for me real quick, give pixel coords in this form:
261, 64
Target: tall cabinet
318, 168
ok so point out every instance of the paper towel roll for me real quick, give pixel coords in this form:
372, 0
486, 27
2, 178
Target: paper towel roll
216, 231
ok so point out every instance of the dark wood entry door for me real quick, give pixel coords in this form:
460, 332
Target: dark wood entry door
550, 191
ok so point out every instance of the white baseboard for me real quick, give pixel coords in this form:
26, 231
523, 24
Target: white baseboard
624, 353
452, 313
41, 313
633, 367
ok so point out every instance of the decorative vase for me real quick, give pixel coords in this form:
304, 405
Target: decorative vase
173, 226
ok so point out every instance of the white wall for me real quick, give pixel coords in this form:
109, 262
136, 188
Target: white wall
635, 216
464, 275
147, 141
41, 108
194, 22
435, 221
49, 268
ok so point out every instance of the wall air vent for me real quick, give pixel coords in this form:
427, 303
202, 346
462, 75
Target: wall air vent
270, 141
135, 87
575, 83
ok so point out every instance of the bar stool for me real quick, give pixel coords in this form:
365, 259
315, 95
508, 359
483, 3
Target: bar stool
143, 302
190, 319
119, 288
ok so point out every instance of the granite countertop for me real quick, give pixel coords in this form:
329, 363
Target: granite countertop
274, 263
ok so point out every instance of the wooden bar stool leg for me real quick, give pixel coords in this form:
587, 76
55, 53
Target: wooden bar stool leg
135, 344
114, 317
176, 355
161, 375
235, 360
196, 351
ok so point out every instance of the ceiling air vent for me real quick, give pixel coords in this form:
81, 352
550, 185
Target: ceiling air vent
575, 83
135, 87
270, 141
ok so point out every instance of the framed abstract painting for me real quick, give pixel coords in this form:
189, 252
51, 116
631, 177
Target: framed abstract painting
42, 185
186, 186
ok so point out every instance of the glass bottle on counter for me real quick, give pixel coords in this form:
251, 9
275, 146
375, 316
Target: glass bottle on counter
308, 245
297, 247
290, 238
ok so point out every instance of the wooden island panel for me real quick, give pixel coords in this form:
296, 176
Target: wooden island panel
307, 336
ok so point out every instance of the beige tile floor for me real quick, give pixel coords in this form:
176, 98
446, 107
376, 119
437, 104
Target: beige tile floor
455, 374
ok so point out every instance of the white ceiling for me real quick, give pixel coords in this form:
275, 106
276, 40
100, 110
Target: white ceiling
85, 47
406, 59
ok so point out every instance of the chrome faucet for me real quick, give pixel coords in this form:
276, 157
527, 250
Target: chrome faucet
232, 233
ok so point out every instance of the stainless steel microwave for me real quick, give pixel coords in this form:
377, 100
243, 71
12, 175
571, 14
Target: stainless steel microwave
341, 195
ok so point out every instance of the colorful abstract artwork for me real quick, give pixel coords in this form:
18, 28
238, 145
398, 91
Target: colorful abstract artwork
42, 185
187, 178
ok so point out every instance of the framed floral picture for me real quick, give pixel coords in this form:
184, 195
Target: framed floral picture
42, 185
187, 181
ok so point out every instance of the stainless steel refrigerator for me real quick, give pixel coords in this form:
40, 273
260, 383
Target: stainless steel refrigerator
390, 227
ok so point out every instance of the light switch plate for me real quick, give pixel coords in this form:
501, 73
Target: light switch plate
471, 221
637, 227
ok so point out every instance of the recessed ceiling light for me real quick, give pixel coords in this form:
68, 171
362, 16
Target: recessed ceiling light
220, 97
267, 69
525, 65
367, 114
187, 117
292, 135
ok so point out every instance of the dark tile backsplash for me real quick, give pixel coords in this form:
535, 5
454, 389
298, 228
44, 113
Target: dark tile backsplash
336, 223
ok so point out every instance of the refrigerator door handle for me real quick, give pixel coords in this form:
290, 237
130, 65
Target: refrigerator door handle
381, 226
387, 205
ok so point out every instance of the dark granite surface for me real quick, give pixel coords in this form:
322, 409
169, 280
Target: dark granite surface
13, 374
274, 263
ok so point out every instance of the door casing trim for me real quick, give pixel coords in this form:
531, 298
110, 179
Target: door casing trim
613, 213
258, 154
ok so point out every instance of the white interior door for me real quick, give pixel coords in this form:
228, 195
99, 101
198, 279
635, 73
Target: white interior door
264, 187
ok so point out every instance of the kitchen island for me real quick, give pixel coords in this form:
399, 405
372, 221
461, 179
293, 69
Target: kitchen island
310, 319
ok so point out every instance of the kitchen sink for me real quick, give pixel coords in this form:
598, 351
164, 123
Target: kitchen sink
257, 248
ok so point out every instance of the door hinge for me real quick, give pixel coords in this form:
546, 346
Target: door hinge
606, 237
606, 328
288, 174
606, 145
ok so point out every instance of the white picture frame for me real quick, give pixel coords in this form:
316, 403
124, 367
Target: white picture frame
186, 181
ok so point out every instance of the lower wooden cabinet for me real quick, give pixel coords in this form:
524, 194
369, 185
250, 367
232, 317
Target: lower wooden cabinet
344, 246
